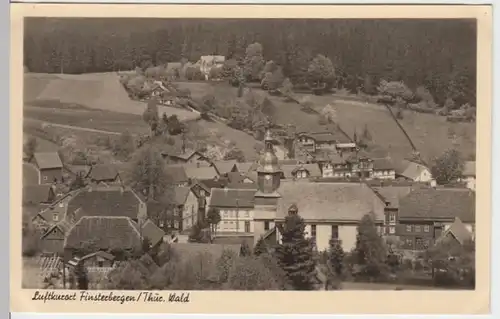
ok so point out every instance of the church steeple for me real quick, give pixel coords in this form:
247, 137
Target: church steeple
269, 171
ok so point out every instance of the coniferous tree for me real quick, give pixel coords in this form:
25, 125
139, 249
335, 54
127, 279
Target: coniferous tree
260, 247
245, 249
336, 257
295, 253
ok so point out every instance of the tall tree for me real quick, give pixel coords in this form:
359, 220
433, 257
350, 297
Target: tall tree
147, 174
213, 219
29, 147
295, 253
150, 116
370, 251
254, 61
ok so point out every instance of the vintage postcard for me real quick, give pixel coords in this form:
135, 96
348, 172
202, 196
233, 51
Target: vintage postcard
250, 158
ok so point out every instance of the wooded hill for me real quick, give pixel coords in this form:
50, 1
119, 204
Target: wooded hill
434, 53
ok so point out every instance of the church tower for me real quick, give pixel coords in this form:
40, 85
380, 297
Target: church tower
269, 171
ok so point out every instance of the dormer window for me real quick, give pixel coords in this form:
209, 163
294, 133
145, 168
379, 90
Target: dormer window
55, 217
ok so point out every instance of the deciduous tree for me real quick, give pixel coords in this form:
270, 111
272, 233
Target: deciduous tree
321, 72
29, 147
448, 167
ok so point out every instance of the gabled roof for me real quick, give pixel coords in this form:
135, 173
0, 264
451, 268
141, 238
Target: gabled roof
469, 169
64, 226
177, 174
438, 204
103, 172
392, 194
106, 201
104, 232
347, 202
152, 232
458, 231
101, 254
410, 169
224, 167
201, 173
48, 160
289, 171
228, 198
37, 194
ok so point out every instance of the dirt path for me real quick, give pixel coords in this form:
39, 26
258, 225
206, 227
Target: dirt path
70, 127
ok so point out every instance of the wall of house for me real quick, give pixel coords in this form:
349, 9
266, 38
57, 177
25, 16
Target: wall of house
190, 211
425, 176
47, 176
471, 183
233, 220
384, 174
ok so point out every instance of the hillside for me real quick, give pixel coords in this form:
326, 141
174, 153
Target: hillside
98, 91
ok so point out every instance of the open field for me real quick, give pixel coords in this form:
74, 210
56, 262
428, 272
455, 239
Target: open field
431, 134
97, 91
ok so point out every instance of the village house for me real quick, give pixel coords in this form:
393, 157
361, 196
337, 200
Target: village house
97, 260
201, 173
186, 212
314, 141
301, 171
330, 210
106, 174
413, 171
383, 169
177, 175
35, 195
192, 157
52, 241
469, 174
391, 196
102, 233
425, 213
55, 212
207, 62
225, 167
49, 166
236, 209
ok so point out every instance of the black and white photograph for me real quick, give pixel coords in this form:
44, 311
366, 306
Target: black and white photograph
257, 154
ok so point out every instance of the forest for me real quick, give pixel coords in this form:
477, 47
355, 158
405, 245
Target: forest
436, 54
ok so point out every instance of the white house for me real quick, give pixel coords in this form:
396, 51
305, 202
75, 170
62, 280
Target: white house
469, 175
414, 171
236, 208
330, 209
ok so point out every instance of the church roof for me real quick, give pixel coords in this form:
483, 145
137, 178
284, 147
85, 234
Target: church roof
269, 162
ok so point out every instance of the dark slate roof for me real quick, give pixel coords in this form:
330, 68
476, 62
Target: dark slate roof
36, 194
242, 186
103, 172
224, 167
176, 174
109, 201
232, 198
392, 194
440, 203
48, 160
330, 201
212, 183
235, 177
152, 232
382, 164
105, 232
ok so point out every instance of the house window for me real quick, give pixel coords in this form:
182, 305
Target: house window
392, 230
55, 217
45, 178
247, 226
419, 243
176, 224
392, 218
335, 231
427, 228
226, 214
100, 263
409, 243
408, 228
418, 228
266, 225
313, 230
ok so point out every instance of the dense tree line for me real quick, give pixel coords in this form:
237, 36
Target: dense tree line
434, 53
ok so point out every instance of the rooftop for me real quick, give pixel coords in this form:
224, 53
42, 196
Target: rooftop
48, 160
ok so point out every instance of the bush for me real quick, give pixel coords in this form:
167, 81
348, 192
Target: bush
215, 73
193, 73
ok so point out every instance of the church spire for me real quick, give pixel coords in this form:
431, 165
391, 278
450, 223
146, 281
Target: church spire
269, 171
